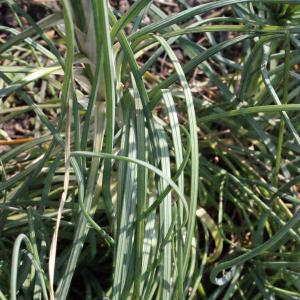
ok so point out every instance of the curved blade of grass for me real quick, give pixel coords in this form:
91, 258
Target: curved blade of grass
174, 124
140, 86
154, 95
194, 150
181, 168
135, 161
14, 266
166, 219
250, 110
124, 252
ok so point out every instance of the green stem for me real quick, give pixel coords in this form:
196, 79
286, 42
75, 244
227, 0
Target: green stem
285, 101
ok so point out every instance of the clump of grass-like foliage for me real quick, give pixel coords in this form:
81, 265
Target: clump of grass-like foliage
134, 185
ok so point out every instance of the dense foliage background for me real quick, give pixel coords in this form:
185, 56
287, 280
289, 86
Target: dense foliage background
149, 149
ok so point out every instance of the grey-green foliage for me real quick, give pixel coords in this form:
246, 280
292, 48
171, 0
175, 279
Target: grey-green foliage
165, 190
